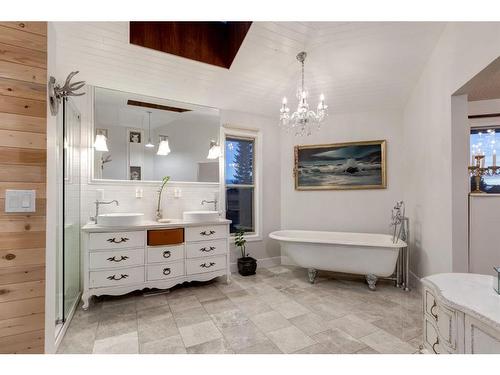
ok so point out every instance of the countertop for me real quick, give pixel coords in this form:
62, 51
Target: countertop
468, 292
149, 224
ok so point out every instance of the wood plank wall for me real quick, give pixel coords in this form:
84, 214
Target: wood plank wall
23, 148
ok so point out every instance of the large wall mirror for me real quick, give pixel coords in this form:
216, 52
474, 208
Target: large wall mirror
142, 138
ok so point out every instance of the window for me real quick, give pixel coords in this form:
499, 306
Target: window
483, 141
240, 176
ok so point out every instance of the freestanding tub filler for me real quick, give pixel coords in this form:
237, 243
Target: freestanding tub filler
373, 255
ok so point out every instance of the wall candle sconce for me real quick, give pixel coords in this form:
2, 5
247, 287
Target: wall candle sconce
100, 143
214, 152
163, 148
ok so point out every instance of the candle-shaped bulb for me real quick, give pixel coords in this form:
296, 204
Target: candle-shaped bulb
322, 98
284, 101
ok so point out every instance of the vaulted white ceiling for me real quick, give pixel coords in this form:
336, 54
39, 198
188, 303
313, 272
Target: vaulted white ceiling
357, 65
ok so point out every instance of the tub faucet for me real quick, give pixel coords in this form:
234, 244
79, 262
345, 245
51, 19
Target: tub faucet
97, 204
397, 219
212, 201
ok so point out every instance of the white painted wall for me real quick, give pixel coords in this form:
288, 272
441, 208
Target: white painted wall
345, 210
463, 50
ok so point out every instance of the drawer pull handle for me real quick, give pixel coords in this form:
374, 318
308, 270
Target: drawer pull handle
113, 240
434, 345
113, 259
206, 250
167, 271
122, 276
204, 265
432, 311
207, 232
167, 254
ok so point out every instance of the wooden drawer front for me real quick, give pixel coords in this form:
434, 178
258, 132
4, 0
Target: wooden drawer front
208, 264
165, 271
165, 237
162, 254
431, 337
116, 240
208, 232
116, 258
206, 248
117, 277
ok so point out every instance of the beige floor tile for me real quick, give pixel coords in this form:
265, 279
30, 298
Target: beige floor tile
314, 349
243, 336
290, 309
122, 344
270, 321
215, 307
252, 306
264, 347
183, 303
154, 313
229, 318
290, 339
191, 316
401, 327
353, 325
386, 343
149, 330
199, 333
367, 350
310, 323
168, 345
337, 341
219, 346
208, 293
143, 303
116, 325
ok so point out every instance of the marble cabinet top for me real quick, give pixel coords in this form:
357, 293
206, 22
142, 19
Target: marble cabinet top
149, 224
471, 293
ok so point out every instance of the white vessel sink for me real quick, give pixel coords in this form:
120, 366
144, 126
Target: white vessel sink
199, 216
120, 219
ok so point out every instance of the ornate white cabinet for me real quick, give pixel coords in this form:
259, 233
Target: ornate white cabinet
120, 260
461, 314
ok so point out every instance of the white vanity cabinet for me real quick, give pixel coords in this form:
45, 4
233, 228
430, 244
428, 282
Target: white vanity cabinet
118, 261
461, 314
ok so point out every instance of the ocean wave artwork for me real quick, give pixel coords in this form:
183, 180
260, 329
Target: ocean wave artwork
340, 166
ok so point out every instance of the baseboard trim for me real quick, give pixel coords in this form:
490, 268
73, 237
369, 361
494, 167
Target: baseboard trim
264, 263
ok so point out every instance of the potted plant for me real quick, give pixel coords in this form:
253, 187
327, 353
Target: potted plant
246, 264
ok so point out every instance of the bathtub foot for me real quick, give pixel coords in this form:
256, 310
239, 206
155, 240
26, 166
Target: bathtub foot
311, 274
372, 281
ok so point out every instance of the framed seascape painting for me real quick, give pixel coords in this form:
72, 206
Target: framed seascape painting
341, 166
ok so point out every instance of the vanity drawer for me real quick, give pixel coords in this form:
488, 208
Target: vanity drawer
165, 271
162, 254
116, 277
202, 265
161, 237
116, 240
206, 248
206, 232
116, 258
443, 318
431, 337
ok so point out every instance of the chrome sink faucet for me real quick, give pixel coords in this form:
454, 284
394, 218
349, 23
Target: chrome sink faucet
97, 204
212, 201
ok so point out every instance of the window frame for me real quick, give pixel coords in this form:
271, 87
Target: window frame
228, 131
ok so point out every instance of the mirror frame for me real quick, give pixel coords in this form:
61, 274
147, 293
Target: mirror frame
90, 93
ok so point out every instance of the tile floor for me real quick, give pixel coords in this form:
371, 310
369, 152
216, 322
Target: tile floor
275, 311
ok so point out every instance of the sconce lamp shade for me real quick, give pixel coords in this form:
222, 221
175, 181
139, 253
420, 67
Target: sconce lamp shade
214, 152
100, 143
163, 148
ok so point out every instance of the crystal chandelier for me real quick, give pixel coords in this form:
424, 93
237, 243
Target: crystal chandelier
303, 121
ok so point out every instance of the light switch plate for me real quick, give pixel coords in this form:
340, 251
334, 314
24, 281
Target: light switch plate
20, 200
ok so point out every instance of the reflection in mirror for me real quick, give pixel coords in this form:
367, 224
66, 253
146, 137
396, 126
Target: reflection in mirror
143, 138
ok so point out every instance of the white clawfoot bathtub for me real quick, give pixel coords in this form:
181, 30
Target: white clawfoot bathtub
372, 255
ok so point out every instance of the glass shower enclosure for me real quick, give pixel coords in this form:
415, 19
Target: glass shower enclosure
68, 245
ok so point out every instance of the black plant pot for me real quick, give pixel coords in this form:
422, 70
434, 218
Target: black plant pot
247, 266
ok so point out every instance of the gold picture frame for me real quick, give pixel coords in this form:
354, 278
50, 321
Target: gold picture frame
327, 157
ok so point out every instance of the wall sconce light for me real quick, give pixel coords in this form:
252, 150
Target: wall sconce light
214, 152
163, 148
100, 143
149, 144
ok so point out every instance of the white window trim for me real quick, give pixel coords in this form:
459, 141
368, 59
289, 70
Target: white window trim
231, 131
